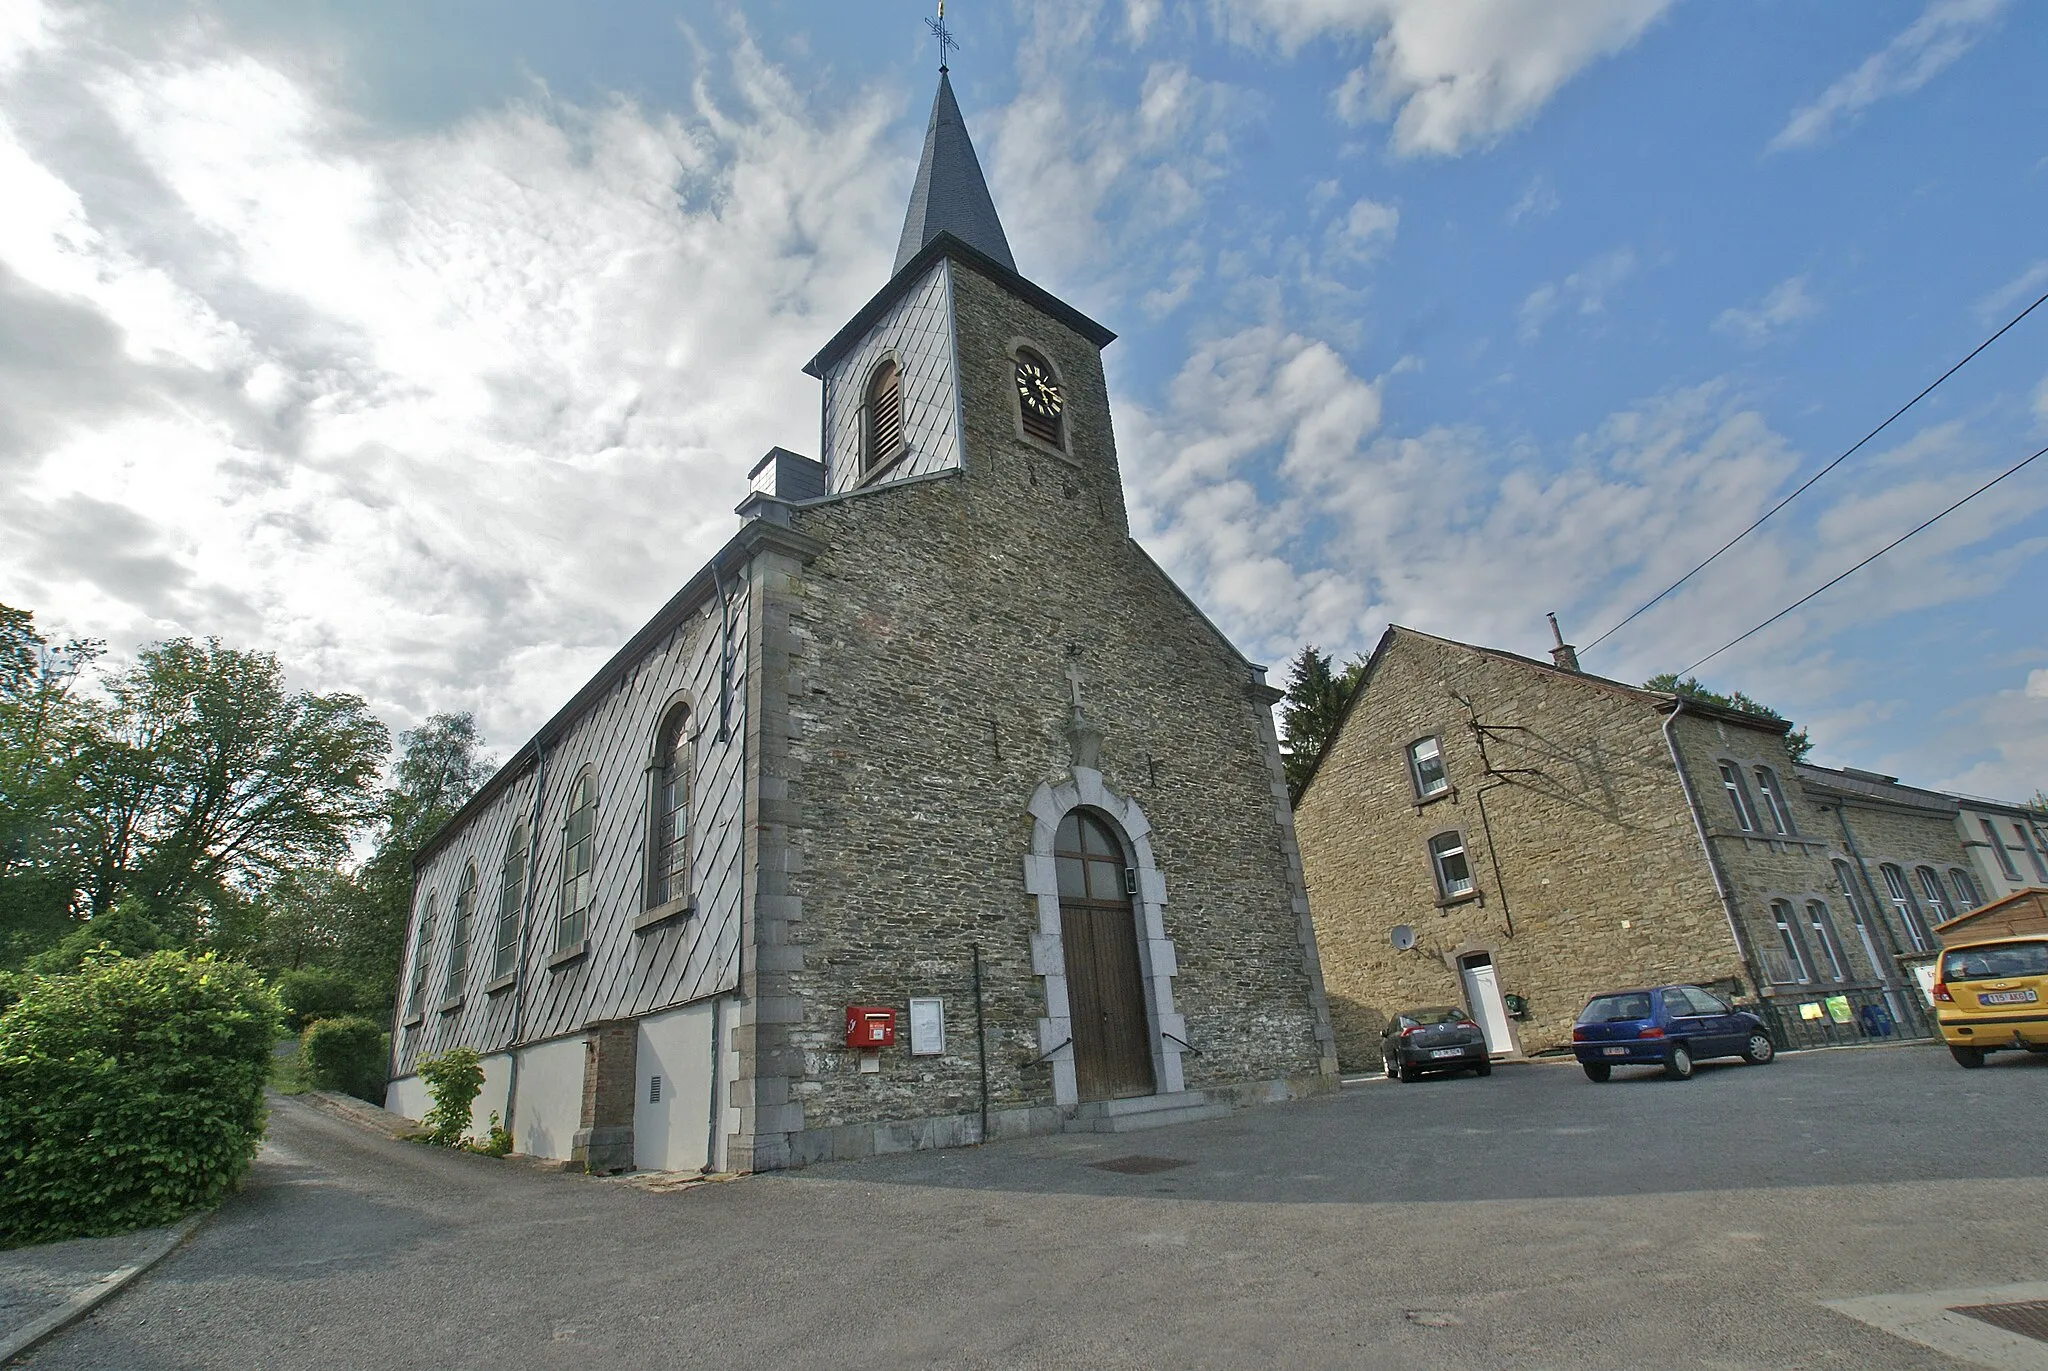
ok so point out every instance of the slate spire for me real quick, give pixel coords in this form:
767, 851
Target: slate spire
950, 195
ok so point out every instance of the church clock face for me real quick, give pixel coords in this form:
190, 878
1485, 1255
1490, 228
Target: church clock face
1037, 391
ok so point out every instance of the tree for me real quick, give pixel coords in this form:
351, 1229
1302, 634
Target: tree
439, 768
1316, 696
1796, 741
48, 732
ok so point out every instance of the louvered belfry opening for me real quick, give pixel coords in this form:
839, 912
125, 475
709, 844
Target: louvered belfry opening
885, 417
1045, 428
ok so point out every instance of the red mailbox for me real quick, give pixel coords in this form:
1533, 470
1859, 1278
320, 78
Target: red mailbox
870, 1026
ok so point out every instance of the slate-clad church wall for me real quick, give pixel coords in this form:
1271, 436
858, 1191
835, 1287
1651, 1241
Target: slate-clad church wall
918, 332
625, 974
931, 701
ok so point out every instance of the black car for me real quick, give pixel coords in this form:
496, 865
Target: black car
1442, 1038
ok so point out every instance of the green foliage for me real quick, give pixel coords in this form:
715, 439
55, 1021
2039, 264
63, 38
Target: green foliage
47, 730
349, 1054
1796, 742
314, 992
123, 930
131, 1092
454, 1079
1316, 696
496, 1143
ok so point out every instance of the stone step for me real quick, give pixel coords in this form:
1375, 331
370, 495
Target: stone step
1145, 1111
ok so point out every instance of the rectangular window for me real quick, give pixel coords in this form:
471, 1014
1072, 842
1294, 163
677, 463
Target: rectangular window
511, 904
2033, 852
1999, 850
1795, 953
1738, 797
1447, 857
1426, 768
1904, 906
1775, 808
1823, 926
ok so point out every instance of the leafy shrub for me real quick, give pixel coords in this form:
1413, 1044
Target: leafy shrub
346, 1054
496, 1143
454, 1079
130, 1092
312, 993
124, 930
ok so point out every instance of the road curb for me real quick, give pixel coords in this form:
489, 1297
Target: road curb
13, 1345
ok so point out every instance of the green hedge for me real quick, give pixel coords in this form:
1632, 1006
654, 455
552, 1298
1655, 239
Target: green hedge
346, 1054
314, 993
131, 1092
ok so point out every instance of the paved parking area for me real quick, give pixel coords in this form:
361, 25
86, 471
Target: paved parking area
1531, 1219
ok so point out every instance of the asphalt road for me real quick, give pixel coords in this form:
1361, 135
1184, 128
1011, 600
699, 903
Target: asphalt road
1531, 1220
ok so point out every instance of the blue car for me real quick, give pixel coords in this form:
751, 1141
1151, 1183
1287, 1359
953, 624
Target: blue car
1671, 1026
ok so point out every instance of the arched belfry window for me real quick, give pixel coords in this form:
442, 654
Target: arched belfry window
1041, 403
668, 815
882, 437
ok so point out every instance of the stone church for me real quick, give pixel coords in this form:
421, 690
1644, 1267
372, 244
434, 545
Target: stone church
930, 810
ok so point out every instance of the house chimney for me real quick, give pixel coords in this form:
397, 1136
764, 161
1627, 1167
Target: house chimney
1564, 654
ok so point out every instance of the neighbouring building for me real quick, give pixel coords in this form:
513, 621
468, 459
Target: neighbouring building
931, 740
2008, 844
1514, 835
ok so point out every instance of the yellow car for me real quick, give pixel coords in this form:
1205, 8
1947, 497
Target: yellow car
1993, 995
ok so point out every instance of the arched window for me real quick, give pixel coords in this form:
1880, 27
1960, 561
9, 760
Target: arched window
578, 839
1775, 808
1090, 862
1967, 897
1797, 970
1845, 882
1824, 938
882, 427
1041, 404
416, 1001
1738, 797
458, 936
668, 816
1937, 898
1905, 907
511, 903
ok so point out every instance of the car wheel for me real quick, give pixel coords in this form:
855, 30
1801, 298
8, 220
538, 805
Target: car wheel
1410, 1073
1759, 1050
1678, 1066
1483, 1069
1387, 1065
1968, 1057
1597, 1072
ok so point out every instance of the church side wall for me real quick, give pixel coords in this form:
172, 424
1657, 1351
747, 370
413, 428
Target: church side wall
918, 332
931, 701
1601, 880
626, 973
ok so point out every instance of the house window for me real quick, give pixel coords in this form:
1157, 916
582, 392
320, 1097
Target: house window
577, 841
1904, 906
882, 428
511, 903
1999, 850
2033, 852
458, 936
1796, 969
416, 1001
1426, 768
1967, 897
1937, 898
668, 836
1738, 797
1775, 808
1845, 882
1447, 859
1041, 405
1823, 925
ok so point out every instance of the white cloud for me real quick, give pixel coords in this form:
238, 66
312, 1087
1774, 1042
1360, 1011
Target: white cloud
1451, 77
2022, 289
1945, 30
1366, 231
1539, 201
2037, 684
1585, 292
438, 417
1786, 304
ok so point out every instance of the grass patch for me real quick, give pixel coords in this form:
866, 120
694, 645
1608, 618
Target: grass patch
288, 1073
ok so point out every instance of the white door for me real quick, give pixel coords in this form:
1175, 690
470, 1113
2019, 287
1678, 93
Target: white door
672, 1119
1482, 994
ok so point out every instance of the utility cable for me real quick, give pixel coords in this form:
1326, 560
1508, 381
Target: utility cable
1817, 475
1864, 563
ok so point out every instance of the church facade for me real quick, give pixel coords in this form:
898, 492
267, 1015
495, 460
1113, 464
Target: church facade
929, 811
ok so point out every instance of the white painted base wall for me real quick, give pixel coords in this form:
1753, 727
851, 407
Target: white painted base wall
497, 1074
550, 1104
673, 1132
408, 1096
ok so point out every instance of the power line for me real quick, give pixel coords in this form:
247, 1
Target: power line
1817, 475
1864, 563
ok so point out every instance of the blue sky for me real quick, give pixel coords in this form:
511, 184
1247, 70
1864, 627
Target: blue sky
429, 344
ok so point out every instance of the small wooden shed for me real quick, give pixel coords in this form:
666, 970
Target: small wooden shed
2016, 915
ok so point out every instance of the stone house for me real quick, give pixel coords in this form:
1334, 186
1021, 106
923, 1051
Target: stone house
930, 747
1513, 835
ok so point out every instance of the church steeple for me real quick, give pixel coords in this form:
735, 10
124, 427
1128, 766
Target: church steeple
950, 195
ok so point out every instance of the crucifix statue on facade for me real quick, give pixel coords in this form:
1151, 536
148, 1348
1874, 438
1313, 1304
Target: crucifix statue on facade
1083, 737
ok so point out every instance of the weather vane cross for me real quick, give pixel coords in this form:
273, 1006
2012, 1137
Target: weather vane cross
943, 34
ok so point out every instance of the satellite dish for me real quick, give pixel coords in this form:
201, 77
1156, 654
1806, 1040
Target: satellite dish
1402, 936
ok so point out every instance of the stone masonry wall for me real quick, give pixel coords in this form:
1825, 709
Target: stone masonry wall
1601, 880
928, 697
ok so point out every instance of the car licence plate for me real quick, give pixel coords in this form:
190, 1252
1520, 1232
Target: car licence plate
2008, 997
1448, 1052
1615, 1051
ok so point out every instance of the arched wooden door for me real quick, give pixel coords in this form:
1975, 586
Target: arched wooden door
1105, 986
